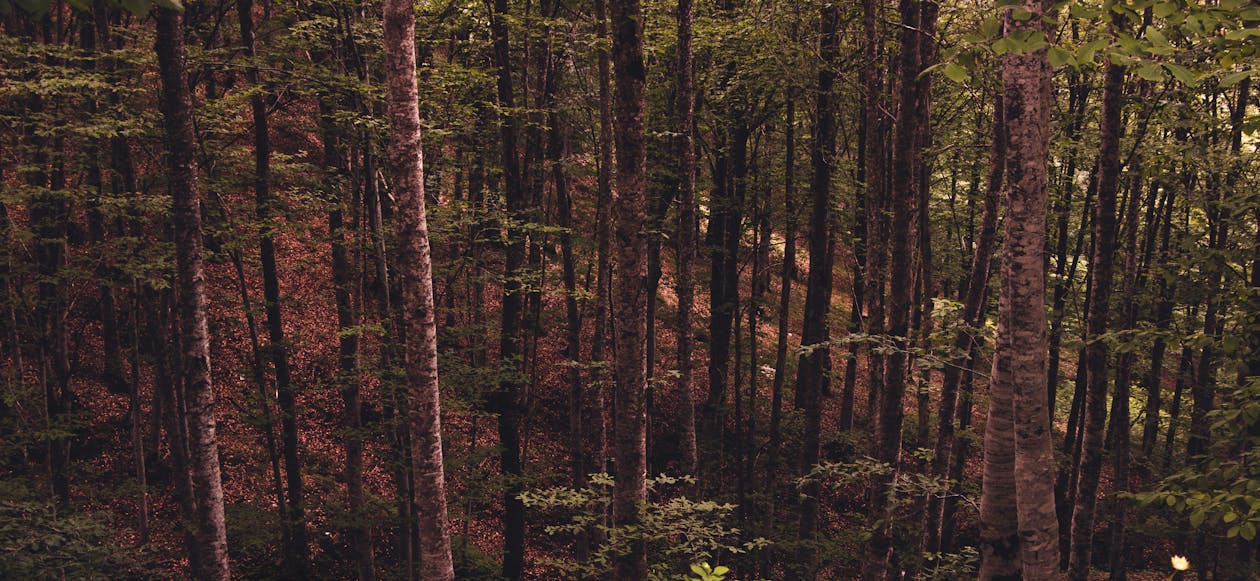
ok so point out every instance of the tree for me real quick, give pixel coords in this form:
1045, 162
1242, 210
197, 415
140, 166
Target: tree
209, 528
1096, 350
1019, 466
630, 289
685, 122
424, 410
812, 377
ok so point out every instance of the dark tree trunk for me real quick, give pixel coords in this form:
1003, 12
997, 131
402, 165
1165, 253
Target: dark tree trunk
977, 285
812, 376
1120, 425
630, 301
198, 390
506, 400
348, 320
891, 410
296, 557
687, 232
1096, 350
875, 193
785, 303
424, 411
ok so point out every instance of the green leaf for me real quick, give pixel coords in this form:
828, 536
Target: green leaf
1021, 14
170, 4
1002, 46
1059, 57
1247, 531
1087, 51
1196, 518
1151, 72
956, 73
991, 27
1182, 74
1235, 78
1164, 9
721, 570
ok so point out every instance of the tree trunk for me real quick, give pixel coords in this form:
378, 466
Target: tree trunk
296, 556
812, 376
785, 302
1021, 350
977, 285
343, 273
1096, 350
687, 229
506, 400
1120, 426
198, 390
875, 193
424, 412
630, 301
902, 244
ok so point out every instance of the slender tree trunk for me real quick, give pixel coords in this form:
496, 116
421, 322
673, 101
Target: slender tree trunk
812, 376
1163, 320
506, 400
875, 193
977, 285
1120, 426
424, 412
343, 272
630, 300
785, 302
198, 390
296, 557
687, 231
902, 244
1096, 350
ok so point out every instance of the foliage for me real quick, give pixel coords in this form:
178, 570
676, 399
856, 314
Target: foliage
678, 531
1220, 493
38, 543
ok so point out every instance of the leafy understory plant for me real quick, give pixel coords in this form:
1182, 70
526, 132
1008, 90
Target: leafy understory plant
679, 532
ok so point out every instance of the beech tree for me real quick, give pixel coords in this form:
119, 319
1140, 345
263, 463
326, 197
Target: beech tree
195, 390
424, 409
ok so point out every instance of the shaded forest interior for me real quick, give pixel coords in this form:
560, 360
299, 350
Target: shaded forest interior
629, 289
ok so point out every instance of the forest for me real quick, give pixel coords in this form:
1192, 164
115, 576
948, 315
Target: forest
629, 289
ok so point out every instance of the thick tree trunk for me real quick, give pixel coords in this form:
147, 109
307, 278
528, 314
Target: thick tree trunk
630, 299
1027, 544
812, 376
1096, 350
198, 390
1020, 352
424, 412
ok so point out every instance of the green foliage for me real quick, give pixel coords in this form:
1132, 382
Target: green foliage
706, 572
1220, 494
678, 531
39, 544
